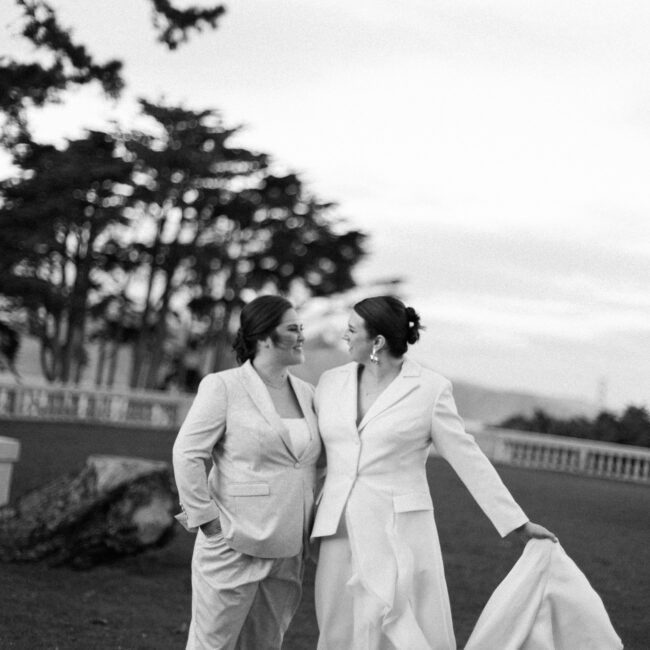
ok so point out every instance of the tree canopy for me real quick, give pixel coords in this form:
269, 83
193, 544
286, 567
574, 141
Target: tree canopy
69, 64
128, 237
632, 427
51, 219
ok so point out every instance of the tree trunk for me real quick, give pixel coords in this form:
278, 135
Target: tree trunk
112, 366
101, 362
113, 507
78, 358
117, 338
74, 357
141, 342
50, 349
159, 335
223, 355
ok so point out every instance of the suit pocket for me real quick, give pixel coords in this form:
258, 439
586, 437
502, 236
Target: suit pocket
255, 515
412, 501
248, 489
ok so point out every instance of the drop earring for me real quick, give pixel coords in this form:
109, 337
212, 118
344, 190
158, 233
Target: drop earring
373, 355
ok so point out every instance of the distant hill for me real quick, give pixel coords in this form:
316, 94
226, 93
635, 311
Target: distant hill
475, 402
492, 406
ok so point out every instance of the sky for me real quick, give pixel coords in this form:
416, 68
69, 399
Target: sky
497, 154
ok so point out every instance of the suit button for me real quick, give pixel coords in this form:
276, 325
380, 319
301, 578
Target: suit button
296, 465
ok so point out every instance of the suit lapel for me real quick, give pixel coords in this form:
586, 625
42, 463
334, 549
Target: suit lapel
339, 396
262, 400
347, 397
398, 389
306, 402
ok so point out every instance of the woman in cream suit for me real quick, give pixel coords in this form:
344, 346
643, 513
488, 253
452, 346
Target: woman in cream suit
380, 582
253, 510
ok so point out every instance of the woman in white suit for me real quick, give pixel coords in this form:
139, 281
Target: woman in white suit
253, 511
380, 581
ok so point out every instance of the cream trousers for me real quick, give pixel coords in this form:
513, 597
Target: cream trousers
240, 602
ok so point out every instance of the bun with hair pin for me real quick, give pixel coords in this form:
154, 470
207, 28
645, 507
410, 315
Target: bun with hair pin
414, 326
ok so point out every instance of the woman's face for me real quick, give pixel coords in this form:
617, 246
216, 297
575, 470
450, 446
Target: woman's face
288, 346
356, 336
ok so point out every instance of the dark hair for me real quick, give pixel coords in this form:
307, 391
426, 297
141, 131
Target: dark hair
258, 321
391, 318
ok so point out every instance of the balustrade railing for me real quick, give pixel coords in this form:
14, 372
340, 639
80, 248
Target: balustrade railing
139, 408
559, 453
154, 409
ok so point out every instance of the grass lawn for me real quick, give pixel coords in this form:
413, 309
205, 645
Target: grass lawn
144, 601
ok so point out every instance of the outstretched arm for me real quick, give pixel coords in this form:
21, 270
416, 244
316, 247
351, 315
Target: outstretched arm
471, 465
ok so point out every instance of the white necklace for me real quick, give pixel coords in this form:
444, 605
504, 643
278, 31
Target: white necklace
270, 384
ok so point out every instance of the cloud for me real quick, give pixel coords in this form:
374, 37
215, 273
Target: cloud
436, 257
497, 153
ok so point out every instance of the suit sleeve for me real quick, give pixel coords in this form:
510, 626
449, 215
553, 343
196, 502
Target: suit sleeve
321, 463
202, 428
474, 469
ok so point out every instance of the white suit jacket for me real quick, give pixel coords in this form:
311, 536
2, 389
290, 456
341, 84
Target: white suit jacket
260, 490
544, 602
387, 452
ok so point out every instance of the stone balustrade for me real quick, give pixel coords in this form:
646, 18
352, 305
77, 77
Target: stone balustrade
563, 454
9, 454
136, 407
155, 409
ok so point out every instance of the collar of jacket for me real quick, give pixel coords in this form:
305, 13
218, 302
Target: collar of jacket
406, 381
262, 399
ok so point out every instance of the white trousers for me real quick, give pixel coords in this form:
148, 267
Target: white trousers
339, 611
240, 602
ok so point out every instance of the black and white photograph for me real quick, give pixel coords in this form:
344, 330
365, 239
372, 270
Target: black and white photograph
324, 325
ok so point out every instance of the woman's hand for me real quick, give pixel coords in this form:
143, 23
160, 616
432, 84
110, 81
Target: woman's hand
211, 527
531, 530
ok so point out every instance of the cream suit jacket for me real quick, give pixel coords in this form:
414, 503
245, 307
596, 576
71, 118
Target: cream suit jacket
260, 490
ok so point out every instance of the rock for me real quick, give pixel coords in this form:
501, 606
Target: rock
113, 507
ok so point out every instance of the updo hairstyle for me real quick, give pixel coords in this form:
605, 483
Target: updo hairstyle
391, 318
258, 321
